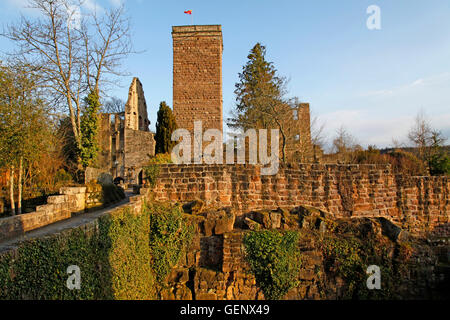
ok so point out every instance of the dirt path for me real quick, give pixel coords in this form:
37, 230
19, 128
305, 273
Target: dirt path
59, 226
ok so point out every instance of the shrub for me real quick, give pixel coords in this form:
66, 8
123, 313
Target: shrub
401, 161
274, 260
440, 164
112, 193
151, 171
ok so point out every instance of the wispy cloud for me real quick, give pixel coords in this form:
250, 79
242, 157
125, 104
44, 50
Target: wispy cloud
92, 6
116, 3
376, 117
18, 3
373, 128
421, 82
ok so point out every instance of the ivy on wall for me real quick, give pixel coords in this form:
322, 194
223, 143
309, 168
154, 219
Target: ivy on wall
274, 260
124, 256
152, 169
348, 257
114, 260
170, 236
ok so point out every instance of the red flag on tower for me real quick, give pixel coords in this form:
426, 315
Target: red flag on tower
188, 12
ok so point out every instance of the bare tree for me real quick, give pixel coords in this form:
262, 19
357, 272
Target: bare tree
344, 145
420, 134
343, 141
427, 140
72, 59
114, 105
318, 137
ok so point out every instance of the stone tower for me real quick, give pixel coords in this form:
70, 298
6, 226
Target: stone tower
197, 76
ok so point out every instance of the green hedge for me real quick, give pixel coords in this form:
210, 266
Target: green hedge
114, 260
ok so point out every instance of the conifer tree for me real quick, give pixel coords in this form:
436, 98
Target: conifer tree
260, 99
165, 126
258, 90
89, 130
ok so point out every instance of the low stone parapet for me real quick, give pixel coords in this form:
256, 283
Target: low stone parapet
60, 207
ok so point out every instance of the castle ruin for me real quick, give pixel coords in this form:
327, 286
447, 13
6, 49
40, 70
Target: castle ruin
125, 139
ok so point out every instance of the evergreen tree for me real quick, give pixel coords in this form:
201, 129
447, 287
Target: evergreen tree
89, 130
259, 89
165, 126
261, 102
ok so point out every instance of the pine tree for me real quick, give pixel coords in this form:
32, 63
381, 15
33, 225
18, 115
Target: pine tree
89, 130
165, 126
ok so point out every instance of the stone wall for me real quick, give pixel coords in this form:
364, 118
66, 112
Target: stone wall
125, 139
418, 204
215, 266
136, 117
299, 145
60, 207
139, 146
197, 76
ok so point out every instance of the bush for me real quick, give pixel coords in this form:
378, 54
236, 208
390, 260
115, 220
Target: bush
440, 165
112, 193
151, 171
63, 177
274, 260
401, 161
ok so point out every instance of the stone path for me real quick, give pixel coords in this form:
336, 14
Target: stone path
75, 221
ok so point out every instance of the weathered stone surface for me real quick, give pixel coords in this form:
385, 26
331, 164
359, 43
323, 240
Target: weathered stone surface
252, 225
418, 205
180, 276
194, 207
125, 139
217, 222
197, 76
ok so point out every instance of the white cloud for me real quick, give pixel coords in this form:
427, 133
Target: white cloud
18, 3
373, 128
375, 117
116, 3
421, 82
93, 6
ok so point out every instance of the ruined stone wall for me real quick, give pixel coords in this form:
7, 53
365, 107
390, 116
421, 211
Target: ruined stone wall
125, 139
139, 146
197, 76
299, 145
136, 117
111, 142
418, 204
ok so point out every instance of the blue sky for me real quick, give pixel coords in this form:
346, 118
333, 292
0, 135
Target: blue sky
373, 82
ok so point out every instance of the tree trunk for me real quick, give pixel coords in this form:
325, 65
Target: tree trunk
11, 190
19, 184
284, 145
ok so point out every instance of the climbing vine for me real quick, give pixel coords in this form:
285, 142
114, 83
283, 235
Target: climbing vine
274, 260
348, 257
170, 235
